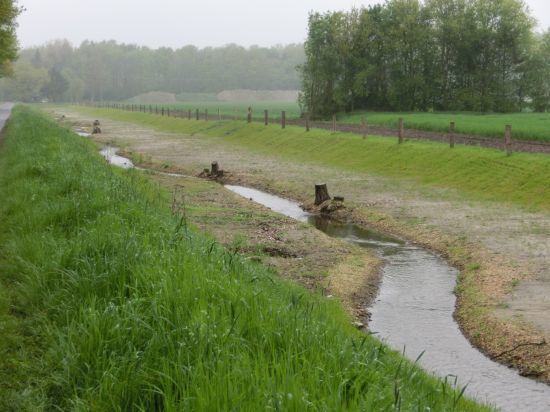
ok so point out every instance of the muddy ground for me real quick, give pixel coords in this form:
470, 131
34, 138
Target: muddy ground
503, 251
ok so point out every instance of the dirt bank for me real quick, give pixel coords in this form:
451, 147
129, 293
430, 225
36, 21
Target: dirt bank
501, 263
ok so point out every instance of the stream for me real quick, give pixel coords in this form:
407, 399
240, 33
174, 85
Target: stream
413, 312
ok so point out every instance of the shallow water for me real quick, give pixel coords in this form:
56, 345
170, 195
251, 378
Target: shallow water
109, 153
414, 312
82, 133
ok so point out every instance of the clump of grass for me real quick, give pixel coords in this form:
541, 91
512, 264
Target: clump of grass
116, 305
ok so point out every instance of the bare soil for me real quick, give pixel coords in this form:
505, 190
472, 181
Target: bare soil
503, 251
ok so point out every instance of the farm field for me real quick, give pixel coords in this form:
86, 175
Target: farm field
525, 126
111, 302
239, 109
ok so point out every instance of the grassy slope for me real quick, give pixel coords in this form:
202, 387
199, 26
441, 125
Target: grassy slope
110, 303
522, 179
527, 126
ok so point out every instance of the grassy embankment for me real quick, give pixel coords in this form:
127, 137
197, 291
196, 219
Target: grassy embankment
477, 174
111, 303
525, 126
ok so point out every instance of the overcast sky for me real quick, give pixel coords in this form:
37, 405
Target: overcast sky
175, 23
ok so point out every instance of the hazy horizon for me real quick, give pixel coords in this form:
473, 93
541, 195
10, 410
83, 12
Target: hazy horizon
212, 24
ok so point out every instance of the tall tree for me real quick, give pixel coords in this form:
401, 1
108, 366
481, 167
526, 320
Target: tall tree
422, 55
8, 40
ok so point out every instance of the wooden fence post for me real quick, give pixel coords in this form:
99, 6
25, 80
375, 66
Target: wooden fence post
266, 117
156, 110
401, 131
452, 135
197, 114
205, 115
219, 115
283, 119
508, 139
364, 126
249, 115
189, 114
307, 122
168, 112
333, 123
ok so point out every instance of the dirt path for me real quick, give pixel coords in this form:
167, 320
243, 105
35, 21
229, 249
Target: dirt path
5, 112
505, 305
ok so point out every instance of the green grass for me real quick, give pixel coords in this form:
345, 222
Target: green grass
239, 109
525, 126
110, 303
477, 174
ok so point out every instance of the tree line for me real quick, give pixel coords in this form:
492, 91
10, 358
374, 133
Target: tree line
108, 70
469, 55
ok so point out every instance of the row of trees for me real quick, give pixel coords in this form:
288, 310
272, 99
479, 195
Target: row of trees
480, 55
111, 71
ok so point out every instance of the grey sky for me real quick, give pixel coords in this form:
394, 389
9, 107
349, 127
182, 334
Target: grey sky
175, 23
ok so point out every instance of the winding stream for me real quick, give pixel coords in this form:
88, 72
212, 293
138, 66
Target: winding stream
414, 310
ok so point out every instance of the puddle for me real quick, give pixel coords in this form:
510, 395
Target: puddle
82, 133
414, 312
110, 154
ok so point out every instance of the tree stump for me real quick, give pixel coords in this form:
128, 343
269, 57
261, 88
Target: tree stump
96, 130
321, 194
96, 123
215, 169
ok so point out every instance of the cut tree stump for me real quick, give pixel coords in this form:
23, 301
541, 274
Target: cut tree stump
215, 169
321, 194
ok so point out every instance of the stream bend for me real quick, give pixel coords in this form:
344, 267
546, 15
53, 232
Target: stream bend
414, 313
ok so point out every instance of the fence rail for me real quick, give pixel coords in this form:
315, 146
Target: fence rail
507, 144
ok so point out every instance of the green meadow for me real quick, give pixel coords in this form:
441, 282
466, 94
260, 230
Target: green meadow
110, 302
525, 126
235, 109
